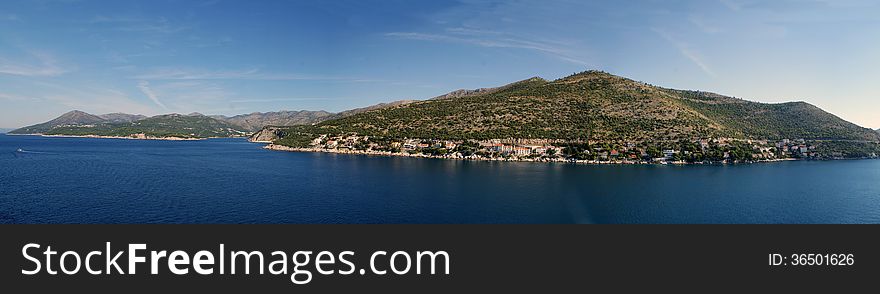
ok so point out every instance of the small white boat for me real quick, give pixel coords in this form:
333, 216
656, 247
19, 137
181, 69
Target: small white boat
19, 150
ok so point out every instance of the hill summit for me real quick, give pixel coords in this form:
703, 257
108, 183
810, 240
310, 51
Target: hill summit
597, 106
595, 111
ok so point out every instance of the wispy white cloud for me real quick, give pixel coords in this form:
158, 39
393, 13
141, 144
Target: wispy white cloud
209, 3
190, 95
138, 24
494, 39
161, 27
145, 88
9, 17
281, 100
187, 74
733, 5
46, 65
849, 3
686, 50
247, 74
704, 26
15, 97
199, 42
94, 99
114, 19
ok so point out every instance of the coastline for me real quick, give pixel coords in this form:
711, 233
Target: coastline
275, 147
113, 137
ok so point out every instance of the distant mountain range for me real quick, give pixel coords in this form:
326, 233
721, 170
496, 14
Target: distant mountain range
589, 106
351, 112
121, 117
258, 120
78, 123
190, 125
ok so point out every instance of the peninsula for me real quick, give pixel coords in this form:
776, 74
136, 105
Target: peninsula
591, 116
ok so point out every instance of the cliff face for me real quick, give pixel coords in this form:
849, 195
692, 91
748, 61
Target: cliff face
266, 135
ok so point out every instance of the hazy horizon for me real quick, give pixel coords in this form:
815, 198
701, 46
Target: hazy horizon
233, 57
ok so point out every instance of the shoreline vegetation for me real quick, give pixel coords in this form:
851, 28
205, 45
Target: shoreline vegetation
723, 151
274, 147
668, 157
133, 137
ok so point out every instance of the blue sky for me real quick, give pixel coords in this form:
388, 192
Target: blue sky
232, 57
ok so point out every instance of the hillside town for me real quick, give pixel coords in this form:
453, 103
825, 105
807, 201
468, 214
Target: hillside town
695, 151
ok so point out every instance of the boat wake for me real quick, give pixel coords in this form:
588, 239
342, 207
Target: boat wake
30, 152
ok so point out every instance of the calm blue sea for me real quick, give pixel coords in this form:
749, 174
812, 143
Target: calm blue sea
79, 180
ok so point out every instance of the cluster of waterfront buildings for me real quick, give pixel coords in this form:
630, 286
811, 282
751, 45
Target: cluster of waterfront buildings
796, 148
552, 150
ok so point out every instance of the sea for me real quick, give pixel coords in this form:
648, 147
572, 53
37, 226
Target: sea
113, 181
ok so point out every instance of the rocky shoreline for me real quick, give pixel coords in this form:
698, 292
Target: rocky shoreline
276, 147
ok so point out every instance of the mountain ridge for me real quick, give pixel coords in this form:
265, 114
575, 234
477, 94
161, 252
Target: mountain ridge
601, 106
596, 109
586, 106
382, 105
257, 120
159, 126
121, 117
480, 91
251, 122
74, 117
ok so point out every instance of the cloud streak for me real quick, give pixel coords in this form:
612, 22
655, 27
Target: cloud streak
702, 25
47, 66
686, 50
13, 97
139, 25
248, 74
731, 4
492, 39
98, 99
252, 74
280, 100
144, 86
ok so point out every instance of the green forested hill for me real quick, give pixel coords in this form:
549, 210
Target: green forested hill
75, 117
171, 125
774, 121
597, 106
